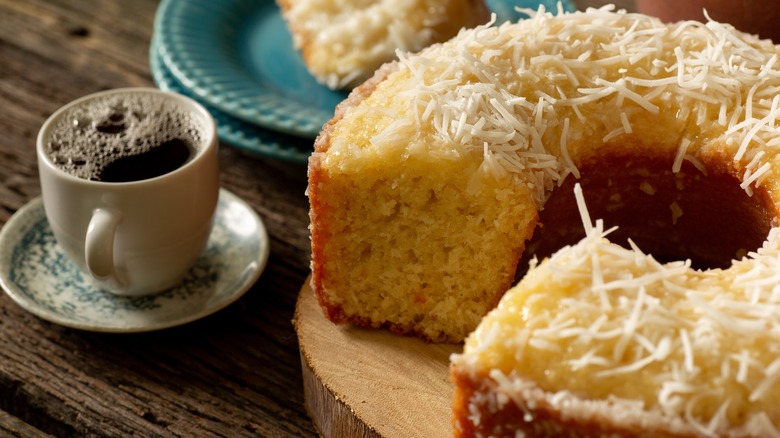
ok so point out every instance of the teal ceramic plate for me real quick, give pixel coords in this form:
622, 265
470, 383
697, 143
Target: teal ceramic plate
237, 56
36, 274
235, 131
505, 9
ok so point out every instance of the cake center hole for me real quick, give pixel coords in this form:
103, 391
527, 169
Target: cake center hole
708, 219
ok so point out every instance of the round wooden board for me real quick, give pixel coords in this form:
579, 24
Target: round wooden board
371, 383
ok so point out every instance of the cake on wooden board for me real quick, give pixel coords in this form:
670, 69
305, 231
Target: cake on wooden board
432, 177
441, 177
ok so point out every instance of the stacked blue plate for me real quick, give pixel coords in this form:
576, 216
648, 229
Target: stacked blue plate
236, 57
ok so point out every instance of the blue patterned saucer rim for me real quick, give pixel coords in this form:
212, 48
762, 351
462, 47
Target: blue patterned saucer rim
36, 275
233, 131
238, 56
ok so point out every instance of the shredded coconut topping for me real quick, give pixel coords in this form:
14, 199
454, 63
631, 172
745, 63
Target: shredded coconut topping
602, 321
522, 94
597, 320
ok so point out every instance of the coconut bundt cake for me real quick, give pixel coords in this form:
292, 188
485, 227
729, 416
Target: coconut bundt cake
430, 181
444, 177
344, 41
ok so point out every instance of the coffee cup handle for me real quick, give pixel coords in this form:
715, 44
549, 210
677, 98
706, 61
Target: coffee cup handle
99, 247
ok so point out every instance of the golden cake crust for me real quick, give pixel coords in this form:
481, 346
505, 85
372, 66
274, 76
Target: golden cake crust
478, 398
317, 176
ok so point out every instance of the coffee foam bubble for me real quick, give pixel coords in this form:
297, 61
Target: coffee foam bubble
96, 133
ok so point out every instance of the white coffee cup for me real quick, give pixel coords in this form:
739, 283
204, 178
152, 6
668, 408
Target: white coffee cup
137, 237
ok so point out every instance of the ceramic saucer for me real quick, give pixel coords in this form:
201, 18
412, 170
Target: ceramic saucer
35, 273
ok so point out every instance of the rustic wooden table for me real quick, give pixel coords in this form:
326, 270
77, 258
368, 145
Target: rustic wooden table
235, 373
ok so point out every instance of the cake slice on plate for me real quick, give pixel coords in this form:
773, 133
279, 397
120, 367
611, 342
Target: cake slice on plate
344, 41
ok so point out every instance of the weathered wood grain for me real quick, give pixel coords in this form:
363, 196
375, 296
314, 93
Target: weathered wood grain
361, 383
236, 373
11, 426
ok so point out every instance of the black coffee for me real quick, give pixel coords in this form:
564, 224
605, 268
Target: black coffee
124, 138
